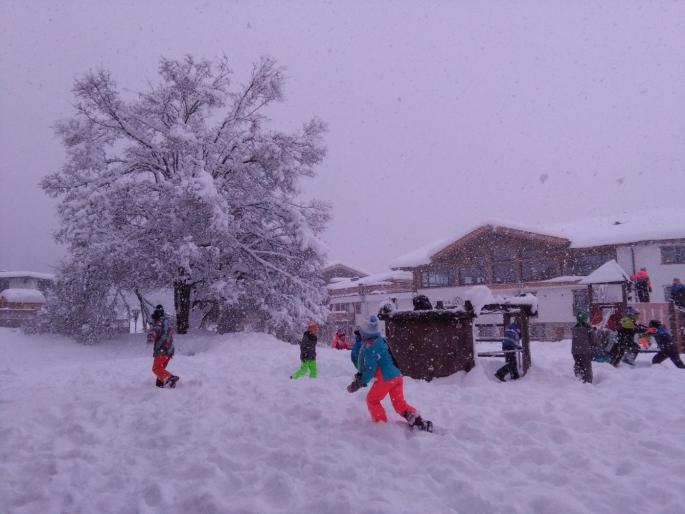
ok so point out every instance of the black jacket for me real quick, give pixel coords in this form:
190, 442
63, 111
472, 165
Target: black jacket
581, 340
308, 347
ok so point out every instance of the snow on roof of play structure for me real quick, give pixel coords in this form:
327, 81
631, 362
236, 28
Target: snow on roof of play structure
384, 278
480, 296
645, 225
607, 273
27, 274
16, 295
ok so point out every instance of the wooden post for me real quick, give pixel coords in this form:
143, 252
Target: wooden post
525, 340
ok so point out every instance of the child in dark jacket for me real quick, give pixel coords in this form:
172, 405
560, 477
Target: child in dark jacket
510, 343
667, 348
308, 352
581, 348
161, 334
376, 362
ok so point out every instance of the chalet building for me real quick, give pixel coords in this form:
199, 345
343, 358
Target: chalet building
21, 295
351, 300
550, 261
337, 270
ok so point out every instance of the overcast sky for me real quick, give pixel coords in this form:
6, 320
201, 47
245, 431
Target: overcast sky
441, 114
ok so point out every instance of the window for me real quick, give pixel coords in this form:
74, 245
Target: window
673, 255
338, 307
503, 272
435, 279
540, 269
503, 253
357, 308
581, 302
586, 264
471, 275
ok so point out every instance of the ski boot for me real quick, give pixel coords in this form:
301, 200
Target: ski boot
416, 421
159, 383
171, 381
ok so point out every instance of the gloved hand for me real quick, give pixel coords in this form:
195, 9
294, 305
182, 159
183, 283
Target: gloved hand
355, 385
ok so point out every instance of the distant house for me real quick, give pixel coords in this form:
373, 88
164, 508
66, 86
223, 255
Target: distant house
25, 280
21, 295
351, 300
337, 269
550, 261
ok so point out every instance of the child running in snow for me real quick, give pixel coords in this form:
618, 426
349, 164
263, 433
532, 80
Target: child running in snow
375, 361
161, 334
308, 352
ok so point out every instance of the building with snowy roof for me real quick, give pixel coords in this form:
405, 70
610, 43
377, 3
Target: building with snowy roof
550, 261
22, 295
351, 300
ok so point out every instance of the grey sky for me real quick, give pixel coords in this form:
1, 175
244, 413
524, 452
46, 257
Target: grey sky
441, 114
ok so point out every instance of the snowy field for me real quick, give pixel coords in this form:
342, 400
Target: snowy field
84, 430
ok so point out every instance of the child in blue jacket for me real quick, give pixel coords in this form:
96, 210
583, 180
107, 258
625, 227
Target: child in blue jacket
376, 362
510, 343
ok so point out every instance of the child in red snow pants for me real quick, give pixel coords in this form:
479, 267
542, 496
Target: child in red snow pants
379, 390
159, 365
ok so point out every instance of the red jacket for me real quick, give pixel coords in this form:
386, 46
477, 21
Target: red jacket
642, 276
340, 342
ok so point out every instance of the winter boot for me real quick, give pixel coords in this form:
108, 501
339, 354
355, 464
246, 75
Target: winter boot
159, 383
416, 421
500, 377
171, 381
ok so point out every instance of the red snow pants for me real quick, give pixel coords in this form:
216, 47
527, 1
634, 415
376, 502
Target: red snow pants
379, 390
159, 365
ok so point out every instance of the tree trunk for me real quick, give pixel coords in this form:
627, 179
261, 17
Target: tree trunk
182, 305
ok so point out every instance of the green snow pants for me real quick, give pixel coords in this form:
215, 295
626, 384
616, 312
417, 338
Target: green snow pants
306, 366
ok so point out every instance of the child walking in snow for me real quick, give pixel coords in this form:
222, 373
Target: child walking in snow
308, 352
510, 343
375, 361
161, 334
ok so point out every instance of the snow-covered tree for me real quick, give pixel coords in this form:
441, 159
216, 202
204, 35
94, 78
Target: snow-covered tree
183, 185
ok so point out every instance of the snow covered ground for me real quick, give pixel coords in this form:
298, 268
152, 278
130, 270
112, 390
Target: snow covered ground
83, 430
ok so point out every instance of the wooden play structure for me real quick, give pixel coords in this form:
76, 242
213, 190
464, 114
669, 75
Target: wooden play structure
440, 342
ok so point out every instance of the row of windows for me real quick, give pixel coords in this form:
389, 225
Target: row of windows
673, 255
347, 307
532, 269
502, 272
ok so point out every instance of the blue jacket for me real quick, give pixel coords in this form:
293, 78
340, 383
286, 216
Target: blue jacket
663, 339
375, 355
511, 338
355, 351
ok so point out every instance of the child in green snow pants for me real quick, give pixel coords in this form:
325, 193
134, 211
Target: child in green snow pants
306, 366
308, 352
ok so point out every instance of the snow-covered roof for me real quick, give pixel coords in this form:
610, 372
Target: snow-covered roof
27, 274
608, 273
565, 278
16, 295
646, 225
333, 264
376, 279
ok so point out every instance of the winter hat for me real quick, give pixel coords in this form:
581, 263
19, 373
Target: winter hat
158, 312
631, 312
654, 323
581, 317
370, 328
